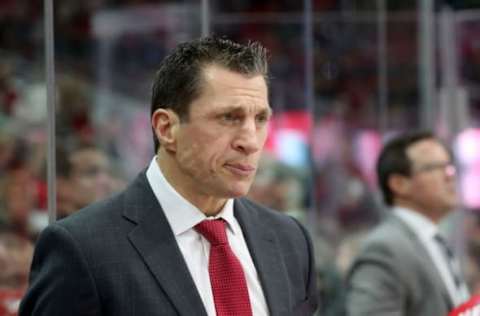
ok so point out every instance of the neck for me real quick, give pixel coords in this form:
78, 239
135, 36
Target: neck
209, 205
434, 215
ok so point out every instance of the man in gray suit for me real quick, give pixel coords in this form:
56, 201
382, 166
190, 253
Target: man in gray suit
405, 266
149, 250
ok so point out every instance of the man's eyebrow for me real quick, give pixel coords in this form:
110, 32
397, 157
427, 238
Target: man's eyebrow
268, 111
238, 108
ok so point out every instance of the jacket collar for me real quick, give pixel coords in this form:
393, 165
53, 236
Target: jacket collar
154, 240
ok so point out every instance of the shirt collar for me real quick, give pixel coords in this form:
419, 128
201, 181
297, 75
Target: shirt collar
419, 223
181, 214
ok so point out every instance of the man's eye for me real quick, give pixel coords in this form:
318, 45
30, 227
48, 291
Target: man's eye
229, 117
262, 118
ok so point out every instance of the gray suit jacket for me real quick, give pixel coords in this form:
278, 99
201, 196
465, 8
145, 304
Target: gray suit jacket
119, 257
393, 275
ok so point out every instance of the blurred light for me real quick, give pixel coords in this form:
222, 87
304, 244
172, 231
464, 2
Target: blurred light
291, 147
470, 182
467, 146
467, 151
367, 146
327, 140
288, 137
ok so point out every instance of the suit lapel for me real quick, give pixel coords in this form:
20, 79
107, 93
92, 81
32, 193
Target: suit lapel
156, 244
264, 249
430, 269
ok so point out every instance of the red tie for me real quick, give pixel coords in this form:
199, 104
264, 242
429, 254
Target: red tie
230, 292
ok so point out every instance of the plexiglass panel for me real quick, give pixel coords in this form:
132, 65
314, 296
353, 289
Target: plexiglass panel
106, 57
23, 137
329, 123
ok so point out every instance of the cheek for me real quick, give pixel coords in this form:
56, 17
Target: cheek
215, 149
84, 187
263, 136
87, 183
420, 189
204, 150
198, 157
188, 156
423, 187
431, 189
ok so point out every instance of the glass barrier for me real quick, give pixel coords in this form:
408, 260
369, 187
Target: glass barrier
327, 130
462, 108
106, 57
23, 137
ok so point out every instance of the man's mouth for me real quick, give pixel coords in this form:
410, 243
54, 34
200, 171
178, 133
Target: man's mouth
240, 169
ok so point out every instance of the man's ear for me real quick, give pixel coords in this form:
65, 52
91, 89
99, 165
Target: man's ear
399, 184
165, 123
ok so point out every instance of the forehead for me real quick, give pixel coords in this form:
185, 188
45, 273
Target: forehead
221, 86
428, 150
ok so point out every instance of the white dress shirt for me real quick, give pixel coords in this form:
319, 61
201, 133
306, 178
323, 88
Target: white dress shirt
426, 230
182, 217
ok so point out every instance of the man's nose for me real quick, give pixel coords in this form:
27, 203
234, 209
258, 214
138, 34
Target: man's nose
247, 139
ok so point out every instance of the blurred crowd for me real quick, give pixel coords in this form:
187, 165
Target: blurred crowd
103, 137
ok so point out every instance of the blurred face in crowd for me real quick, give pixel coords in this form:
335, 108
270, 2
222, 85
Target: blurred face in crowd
215, 152
20, 196
15, 258
431, 186
6, 150
90, 179
65, 197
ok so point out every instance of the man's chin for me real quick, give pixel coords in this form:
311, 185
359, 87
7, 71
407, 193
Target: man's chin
449, 208
238, 191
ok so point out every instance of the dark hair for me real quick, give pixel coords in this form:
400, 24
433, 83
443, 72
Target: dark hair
178, 80
393, 159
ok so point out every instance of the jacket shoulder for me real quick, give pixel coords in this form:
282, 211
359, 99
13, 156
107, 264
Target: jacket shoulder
267, 215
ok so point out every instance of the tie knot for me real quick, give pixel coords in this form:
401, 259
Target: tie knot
213, 231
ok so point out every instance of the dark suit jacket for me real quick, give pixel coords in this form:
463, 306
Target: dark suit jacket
119, 257
393, 275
